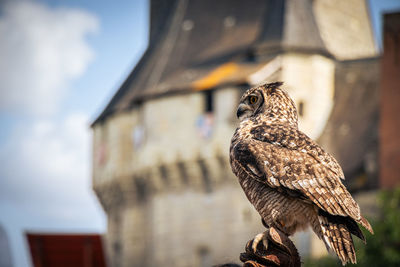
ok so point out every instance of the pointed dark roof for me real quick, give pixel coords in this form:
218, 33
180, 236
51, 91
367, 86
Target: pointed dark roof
191, 38
290, 25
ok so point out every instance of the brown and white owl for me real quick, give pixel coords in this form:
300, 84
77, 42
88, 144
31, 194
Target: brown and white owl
291, 181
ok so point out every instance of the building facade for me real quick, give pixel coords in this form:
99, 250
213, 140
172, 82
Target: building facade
389, 155
160, 147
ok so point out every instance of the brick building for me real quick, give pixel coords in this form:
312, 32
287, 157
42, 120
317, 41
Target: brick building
389, 103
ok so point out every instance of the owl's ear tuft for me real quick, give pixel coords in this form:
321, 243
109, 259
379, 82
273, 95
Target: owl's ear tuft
273, 85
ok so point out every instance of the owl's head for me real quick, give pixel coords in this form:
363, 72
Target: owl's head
268, 100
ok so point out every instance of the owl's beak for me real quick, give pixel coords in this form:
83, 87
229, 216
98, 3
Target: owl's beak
241, 110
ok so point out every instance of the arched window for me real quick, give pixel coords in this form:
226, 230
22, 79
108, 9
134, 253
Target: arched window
208, 101
301, 108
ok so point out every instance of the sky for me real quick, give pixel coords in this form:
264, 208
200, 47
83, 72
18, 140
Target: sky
61, 62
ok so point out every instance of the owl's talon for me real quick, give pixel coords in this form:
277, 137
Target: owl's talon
257, 239
265, 241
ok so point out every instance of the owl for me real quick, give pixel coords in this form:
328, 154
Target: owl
289, 179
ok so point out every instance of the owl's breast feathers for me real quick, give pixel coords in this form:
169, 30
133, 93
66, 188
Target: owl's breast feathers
284, 158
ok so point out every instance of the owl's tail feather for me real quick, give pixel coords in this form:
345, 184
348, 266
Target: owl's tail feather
366, 225
337, 237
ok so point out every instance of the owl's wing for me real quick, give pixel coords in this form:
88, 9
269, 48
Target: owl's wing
294, 139
291, 162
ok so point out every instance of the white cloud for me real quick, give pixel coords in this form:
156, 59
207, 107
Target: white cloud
45, 184
45, 161
41, 51
46, 164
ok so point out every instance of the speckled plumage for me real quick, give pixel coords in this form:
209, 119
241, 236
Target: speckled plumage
291, 181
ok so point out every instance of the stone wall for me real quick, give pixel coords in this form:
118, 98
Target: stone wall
309, 80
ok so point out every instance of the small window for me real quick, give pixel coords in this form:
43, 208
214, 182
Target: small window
204, 257
163, 172
251, 56
301, 108
141, 189
206, 176
182, 172
209, 105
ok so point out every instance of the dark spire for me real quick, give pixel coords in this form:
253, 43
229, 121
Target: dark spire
290, 25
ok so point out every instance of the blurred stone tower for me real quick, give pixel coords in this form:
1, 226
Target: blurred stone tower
160, 147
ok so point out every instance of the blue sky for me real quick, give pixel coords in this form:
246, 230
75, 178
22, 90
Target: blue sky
61, 62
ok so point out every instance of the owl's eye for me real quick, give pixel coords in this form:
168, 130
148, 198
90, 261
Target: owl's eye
253, 99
